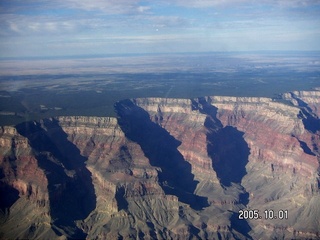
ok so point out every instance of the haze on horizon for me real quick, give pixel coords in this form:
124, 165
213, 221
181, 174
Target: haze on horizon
40, 28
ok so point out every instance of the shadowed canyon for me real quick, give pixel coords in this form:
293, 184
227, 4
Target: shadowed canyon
166, 169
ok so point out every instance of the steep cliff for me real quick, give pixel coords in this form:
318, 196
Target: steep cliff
166, 168
258, 148
282, 169
24, 196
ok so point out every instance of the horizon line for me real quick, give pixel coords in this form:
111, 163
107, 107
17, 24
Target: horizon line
110, 55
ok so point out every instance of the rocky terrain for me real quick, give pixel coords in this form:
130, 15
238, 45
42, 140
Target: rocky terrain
166, 169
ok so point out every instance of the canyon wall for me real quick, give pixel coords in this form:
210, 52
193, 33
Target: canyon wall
166, 169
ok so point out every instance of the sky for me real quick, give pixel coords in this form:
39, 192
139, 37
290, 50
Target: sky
41, 28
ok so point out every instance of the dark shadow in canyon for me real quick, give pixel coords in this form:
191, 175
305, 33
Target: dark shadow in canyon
152, 230
160, 148
9, 196
310, 121
229, 153
241, 226
120, 198
71, 192
226, 146
194, 232
312, 124
305, 148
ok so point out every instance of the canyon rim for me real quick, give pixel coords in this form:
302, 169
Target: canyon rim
166, 169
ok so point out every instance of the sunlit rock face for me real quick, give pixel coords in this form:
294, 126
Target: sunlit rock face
282, 171
24, 189
166, 169
310, 99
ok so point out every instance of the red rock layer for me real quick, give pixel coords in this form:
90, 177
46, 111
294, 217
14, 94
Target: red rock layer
20, 171
282, 172
185, 125
283, 162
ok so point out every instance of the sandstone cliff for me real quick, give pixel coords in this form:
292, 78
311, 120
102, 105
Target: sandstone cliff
166, 168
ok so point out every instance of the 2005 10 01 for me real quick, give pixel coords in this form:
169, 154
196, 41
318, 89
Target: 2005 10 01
268, 214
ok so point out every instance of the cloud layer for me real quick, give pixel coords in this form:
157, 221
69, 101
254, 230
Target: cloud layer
43, 27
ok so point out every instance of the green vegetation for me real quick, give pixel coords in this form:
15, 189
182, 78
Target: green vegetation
36, 96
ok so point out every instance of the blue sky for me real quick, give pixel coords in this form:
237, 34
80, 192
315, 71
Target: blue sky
74, 27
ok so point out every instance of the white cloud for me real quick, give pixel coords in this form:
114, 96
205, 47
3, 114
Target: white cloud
208, 3
168, 21
43, 25
143, 9
234, 3
293, 3
14, 27
34, 26
109, 6
116, 25
104, 6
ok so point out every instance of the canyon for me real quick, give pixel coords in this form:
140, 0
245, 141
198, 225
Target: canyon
166, 168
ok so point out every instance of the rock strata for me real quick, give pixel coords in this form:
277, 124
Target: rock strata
166, 169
